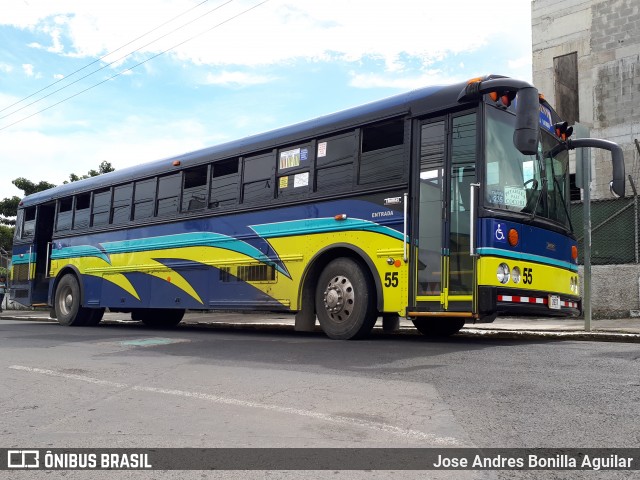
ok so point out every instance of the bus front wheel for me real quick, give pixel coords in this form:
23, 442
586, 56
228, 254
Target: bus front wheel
438, 327
67, 306
345, 303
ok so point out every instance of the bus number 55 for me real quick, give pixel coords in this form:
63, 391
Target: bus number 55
527, 276
391, 279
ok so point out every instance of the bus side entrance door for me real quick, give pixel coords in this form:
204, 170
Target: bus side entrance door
39, 284
442, 265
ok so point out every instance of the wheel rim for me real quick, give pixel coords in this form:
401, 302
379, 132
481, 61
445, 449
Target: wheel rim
65, 300
339, 299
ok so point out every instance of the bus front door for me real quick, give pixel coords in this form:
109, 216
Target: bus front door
41, 249
444, 280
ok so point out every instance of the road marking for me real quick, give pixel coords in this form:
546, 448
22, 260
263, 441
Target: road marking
406, 433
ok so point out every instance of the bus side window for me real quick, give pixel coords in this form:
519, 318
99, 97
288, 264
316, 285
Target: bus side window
121, 210
143, 199
258, 178
101, 207
82, 212
293, 170
382, 152
65, 214
334, 163
194, 189
224, 183
29, 225
168, 194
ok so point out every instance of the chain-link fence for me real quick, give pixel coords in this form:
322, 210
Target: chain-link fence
615, 222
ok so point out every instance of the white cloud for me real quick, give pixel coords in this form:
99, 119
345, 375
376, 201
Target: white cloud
277, 31
133, 141
6, 68
27, 69
236, 79
402, 82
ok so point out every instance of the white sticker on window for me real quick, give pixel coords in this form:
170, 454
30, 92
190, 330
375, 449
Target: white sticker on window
322, 149
290, 159
515, 197
301, 180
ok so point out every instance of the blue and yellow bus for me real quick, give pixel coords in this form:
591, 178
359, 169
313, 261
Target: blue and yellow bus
445, 205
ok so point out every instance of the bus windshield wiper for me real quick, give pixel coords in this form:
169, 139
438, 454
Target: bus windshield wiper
542, 192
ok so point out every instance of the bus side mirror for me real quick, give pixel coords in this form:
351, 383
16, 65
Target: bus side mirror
617, 159
527, 131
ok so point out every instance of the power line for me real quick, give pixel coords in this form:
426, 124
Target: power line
97, 60
137, 65
116, 60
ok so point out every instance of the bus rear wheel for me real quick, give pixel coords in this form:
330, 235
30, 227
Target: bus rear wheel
438, 327
159, 317
344, 300
67, 306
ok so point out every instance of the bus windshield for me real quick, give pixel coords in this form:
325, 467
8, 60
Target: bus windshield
536, 185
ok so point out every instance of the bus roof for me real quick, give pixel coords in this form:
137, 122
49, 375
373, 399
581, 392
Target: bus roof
414, 103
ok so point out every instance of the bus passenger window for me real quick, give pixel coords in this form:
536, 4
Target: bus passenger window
121, 211
194, 190
65, 213
168, 194
293, 171
143, 198
29, 225
224, 183
382, 152
101, 207
82, 215
258, 184
334, 163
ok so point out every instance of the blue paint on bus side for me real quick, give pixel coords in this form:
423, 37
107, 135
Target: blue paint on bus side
534, 243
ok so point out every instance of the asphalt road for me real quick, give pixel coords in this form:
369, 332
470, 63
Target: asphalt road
129, 386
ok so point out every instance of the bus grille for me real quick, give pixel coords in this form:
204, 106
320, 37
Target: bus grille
21, 273
252, 273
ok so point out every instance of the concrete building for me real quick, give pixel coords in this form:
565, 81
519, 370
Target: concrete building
586, 61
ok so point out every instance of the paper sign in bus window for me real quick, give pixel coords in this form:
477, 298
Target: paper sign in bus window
515, 197
284, 182
322, 149
301, 180
290, 158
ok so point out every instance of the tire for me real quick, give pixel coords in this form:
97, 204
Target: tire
438, 327
345, 300
159, 317
67, 300
95, 317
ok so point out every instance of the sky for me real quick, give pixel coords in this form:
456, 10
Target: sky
83, 81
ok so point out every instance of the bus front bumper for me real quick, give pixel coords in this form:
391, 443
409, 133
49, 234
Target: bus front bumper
527, 302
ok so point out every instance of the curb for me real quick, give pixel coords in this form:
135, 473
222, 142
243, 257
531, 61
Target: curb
504, 334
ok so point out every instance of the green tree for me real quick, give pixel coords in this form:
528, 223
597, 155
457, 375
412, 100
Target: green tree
6, 237
104, 167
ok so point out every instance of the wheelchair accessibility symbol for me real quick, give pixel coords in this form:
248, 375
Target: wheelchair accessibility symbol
499, 234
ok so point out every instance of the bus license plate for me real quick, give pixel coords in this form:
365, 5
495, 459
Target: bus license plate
554, 302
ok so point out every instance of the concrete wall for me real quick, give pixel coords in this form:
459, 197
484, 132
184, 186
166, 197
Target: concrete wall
615, 290
606, 36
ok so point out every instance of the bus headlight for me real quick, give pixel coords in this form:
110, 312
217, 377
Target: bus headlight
503, 273
515, 275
